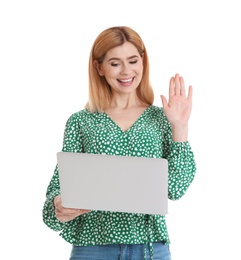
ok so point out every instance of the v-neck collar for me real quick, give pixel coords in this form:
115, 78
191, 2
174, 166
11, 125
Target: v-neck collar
132, 126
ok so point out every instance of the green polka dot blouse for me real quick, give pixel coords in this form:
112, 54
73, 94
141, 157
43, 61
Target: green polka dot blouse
150, 136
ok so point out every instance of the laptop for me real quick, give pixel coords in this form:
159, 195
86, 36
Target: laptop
113, 183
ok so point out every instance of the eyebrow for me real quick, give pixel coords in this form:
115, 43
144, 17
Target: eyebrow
129, 58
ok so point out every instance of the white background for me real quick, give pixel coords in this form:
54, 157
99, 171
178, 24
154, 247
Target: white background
44, 50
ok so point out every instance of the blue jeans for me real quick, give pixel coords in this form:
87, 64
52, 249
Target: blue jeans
121, 252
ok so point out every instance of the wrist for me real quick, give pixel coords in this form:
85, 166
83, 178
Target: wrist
179, 133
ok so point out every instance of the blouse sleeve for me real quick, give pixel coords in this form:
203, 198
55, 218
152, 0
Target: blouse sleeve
72, 143
181, 165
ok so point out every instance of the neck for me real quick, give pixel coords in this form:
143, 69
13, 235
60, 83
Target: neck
125, 102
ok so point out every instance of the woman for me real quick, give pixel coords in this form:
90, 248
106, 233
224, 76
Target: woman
120, 108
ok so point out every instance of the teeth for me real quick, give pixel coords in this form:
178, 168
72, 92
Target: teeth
126, 80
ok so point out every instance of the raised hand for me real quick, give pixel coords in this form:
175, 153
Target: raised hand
178, 108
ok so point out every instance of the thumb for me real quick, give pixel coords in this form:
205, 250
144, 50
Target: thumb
164, 101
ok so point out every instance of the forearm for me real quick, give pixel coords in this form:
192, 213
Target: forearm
48, 212
182, 168
49, 216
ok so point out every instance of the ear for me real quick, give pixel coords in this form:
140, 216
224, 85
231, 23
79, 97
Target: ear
98, 67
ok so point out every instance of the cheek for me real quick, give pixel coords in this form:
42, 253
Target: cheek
110, 79
107, 71
140, 70
142, 67
111, 73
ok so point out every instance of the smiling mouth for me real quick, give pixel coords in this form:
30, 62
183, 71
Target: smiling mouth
126, 81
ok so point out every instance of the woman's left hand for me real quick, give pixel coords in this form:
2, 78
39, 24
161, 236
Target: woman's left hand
178, 108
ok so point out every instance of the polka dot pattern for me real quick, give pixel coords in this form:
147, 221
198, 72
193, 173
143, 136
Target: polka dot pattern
150, 136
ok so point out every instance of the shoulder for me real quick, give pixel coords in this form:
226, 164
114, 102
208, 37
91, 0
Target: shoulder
157, 114
156, 111
75, 117
82, 116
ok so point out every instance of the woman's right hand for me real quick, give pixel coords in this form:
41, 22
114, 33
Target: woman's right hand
66, 214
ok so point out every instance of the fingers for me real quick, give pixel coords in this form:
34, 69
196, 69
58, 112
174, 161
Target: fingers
172, 87
177, 86
164, 101
182, 87
190, 91
66, 214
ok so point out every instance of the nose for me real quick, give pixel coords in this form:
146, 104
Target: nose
125, 69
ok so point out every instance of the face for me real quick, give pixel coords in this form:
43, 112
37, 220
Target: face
122, 68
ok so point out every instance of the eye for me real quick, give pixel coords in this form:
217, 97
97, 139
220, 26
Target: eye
133, 61
114, 64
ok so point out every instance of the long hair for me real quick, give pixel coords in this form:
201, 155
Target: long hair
99, 90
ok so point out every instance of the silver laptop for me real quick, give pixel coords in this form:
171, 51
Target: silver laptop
113, 183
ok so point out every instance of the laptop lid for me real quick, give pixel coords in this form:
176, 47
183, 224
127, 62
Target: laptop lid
113, 183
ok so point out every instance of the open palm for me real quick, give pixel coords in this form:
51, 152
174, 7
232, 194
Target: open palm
178, 108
